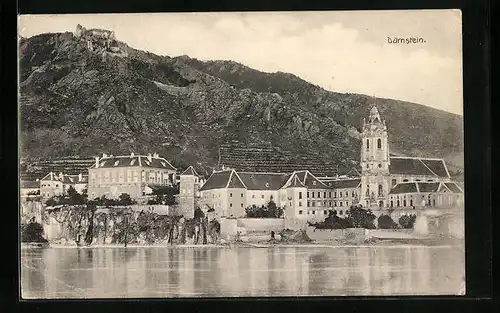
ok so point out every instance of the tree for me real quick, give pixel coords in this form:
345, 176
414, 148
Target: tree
332, 221
124, 199
32, 232
361, 218
269, 211
198, 213
386, 222
407, 221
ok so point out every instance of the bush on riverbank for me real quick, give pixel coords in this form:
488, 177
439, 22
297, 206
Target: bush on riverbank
269, 211
357, 217
407, 221
32, 232
386, 222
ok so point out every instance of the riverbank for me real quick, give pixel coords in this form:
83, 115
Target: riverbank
332, 244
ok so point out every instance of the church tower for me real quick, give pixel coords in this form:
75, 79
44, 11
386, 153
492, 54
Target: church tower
374, 161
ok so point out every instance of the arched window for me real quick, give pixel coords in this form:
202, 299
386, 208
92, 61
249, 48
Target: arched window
367, 190
405, 180
379, 143
397, 203
367, 144
392, 203
380, 190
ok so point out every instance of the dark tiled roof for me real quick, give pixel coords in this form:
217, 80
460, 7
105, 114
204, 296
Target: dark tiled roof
295, 182
133, 161
75, 179
156, 163
190, 171
453, 187
235, 181
263, 181
30, 184
417, 166
428, 187
436, 166
217, 180
343, 183
312, 182
404, 188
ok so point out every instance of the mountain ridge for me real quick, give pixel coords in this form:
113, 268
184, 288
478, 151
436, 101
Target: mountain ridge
76, 101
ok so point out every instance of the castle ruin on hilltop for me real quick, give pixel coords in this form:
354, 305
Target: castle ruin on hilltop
100, 40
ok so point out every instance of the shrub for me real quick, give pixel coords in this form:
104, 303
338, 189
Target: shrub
32, 232
407, 221
361, 218
333, 221
269, 211
386, 222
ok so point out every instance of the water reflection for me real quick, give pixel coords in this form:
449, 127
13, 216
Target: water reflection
221, 272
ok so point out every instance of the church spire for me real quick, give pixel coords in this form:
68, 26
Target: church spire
374, 115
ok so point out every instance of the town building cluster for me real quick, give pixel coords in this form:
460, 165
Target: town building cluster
385, 183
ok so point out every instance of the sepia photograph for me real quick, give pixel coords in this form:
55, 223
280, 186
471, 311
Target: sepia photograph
241, 154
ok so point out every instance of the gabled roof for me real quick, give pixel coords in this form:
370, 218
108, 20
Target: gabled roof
51, 176
294, 181
343, 183
453, 187
217, 180
310, 181
190, 171
437, 166
263, 181
133, 161
75, 179
235, 181
404, 188
427, 187
418, 166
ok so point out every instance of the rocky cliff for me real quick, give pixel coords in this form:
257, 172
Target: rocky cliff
77, 100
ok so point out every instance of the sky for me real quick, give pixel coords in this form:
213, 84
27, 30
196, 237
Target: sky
339, 51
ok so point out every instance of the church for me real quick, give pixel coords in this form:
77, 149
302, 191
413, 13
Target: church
386, 182
390, 181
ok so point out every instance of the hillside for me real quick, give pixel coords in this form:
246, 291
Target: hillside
83, 100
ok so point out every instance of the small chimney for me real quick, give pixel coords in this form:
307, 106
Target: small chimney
104, 155
61, 176
37, 179
132, 155
80, 177
149, 157
96, 162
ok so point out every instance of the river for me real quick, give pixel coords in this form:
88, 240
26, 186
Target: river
169, 272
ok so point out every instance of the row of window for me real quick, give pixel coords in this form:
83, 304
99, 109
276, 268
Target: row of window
325, 212
430, 201
311, 195
325, 203
130, 176
48, 185
340, 194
